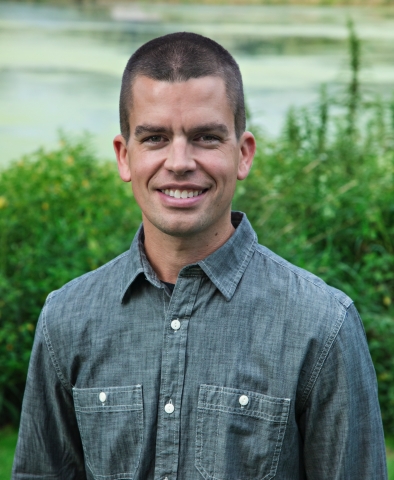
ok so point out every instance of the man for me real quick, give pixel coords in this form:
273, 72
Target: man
198, 353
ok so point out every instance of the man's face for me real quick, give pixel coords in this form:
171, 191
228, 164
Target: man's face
183, 157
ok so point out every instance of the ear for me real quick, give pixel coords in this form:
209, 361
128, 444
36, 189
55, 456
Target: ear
122, 157
247, 145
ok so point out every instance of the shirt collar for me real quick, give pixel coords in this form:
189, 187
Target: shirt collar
224, 267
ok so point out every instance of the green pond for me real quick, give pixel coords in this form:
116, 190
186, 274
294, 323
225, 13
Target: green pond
60, 67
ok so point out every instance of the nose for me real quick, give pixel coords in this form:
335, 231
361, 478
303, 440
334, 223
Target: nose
180, 160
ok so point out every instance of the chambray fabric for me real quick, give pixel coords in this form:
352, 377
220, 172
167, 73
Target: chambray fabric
106, 362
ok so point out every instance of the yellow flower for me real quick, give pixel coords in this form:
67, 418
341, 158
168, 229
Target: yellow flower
3, 202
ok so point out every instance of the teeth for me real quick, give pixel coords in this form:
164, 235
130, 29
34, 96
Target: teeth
182, 193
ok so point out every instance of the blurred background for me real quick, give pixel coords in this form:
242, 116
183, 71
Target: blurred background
61, 64
319, 85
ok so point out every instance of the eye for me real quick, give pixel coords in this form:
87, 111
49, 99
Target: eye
207, 138
153, 139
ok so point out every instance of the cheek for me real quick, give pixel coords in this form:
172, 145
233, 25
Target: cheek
143, 167
226, 171
138, 172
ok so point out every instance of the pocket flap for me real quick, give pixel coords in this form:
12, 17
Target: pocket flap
114, 399
244, 402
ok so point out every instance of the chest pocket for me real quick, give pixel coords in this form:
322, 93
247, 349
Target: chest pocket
239, 433
110, 422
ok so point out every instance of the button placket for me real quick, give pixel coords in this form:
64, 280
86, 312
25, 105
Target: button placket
172, 375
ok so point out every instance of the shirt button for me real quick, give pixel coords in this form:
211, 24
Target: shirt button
169, 408
102, 397
176, 324
243, 400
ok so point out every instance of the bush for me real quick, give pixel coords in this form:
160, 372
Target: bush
62, 213
331, 211
322, 196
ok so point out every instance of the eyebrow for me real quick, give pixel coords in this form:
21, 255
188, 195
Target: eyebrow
204, 128
210, 127
147, 128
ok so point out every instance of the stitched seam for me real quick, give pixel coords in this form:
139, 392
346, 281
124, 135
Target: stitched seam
94, 390
66, 384
93, 272
276, 452
320, 362
106, 409
259, 396
180, 382
259, 399
160, 460
233, 282
216, 442
113, 476
279, 443
247, 258
298, 274
176, 406
247, 413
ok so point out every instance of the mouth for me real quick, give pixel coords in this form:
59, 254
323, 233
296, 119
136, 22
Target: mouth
182, 193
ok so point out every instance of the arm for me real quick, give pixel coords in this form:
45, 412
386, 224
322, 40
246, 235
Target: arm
49, 445
341, 424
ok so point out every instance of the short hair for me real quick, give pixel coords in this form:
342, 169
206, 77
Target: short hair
177, 57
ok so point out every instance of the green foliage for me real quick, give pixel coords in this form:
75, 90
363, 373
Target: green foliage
62, 214
322, 196
8, 438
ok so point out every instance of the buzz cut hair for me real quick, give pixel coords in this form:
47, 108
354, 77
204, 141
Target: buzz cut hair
178, 57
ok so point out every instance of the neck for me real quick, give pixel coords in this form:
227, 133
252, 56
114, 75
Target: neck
168, 254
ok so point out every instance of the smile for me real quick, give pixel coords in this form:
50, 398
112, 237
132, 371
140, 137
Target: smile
182, 193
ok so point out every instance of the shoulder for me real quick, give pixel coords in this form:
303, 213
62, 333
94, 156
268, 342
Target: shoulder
95, 277
81, 309
84, 292
320, 321
298, 304
297, 281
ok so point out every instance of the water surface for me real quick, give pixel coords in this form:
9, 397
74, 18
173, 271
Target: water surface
60, 67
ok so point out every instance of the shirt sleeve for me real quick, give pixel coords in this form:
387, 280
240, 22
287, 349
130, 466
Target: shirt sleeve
49, 444
341, 425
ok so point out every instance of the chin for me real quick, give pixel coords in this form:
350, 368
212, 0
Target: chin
180, 231
179, 228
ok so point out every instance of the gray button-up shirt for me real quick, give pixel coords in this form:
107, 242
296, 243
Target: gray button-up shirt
252, 369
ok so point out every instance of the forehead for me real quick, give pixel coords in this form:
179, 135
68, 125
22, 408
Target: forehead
203, 97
